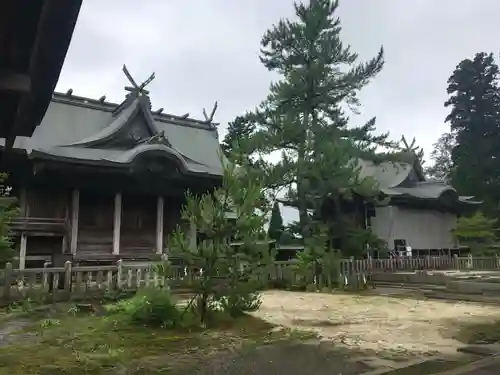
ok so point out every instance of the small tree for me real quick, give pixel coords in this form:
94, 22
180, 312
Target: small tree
7, 211
477, 232
318, 265
228, 274
275, 230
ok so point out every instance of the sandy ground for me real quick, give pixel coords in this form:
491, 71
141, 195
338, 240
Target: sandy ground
375, 323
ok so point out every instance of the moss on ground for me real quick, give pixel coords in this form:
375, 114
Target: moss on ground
487, 332
65, 343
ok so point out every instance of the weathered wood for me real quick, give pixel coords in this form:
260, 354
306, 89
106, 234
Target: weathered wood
39, 224
75, 214
94, 268
22, 250
119, 274
159, 224
78, 282
117, 223
68, 279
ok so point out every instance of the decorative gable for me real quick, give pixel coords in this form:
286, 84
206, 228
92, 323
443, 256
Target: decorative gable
135, 132
131, 126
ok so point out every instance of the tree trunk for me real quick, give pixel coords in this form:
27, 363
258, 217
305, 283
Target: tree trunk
301, 190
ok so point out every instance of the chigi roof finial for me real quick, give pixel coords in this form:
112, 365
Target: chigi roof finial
136, 89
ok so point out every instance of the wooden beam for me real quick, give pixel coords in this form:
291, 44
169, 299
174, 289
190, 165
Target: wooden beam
75, 213
22, 251
23, 202
117, 223
159, 224
15, 82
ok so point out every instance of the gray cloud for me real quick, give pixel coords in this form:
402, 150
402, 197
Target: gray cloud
206, 50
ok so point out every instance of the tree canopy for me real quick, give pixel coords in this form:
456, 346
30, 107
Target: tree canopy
474, 118
275, 223
477, 232
442, 165
303, 117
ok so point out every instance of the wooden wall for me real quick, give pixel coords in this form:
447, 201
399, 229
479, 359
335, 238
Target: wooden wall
47, 202
95, 224
138, 229
96, 220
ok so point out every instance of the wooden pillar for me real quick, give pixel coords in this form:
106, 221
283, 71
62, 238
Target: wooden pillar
23, 201
117, 223
160, 203
193, 236
75, 214
22, 251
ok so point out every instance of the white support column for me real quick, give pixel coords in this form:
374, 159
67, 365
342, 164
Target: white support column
160, 203
22, 251
117, 223
193, 236
75, 214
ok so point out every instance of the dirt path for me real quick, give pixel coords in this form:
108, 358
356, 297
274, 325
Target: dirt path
392, 328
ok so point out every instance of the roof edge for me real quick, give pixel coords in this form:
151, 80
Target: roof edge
102, 105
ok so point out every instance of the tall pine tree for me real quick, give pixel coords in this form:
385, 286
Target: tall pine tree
302, 117
475, 122
237, 135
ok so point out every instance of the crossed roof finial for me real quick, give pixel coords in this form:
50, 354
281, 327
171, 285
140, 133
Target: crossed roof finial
135, 88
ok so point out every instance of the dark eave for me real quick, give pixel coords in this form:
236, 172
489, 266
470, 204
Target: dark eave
34, 40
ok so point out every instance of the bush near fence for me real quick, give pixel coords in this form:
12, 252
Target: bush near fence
81, 282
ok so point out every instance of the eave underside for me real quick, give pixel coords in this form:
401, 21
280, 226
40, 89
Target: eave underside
107, 179
34, 39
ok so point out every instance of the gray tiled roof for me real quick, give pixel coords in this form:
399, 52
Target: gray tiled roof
77, 129
405, 179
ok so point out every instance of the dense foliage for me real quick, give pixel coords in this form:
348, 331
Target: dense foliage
476, 232
275, 230
442, 166
227, 275
467, 153
303, 120
8, 210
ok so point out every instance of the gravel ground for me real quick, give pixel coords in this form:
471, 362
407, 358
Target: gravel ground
375, 323
358, 334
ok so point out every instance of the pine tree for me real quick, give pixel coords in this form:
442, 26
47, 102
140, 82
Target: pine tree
275, 223
229, 273
302, 117
441, 168
475, 122
237, 134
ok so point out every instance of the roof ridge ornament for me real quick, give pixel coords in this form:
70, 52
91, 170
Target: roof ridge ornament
209, 119
135, 89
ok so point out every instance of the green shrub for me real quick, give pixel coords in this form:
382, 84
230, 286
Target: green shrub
150, 307
238, 304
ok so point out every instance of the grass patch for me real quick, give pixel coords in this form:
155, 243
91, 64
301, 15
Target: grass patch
81, 343
487, 332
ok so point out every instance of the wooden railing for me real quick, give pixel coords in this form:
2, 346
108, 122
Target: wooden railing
39, 224
68, 282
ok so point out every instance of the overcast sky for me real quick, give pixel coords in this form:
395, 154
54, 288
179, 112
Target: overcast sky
207, 50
